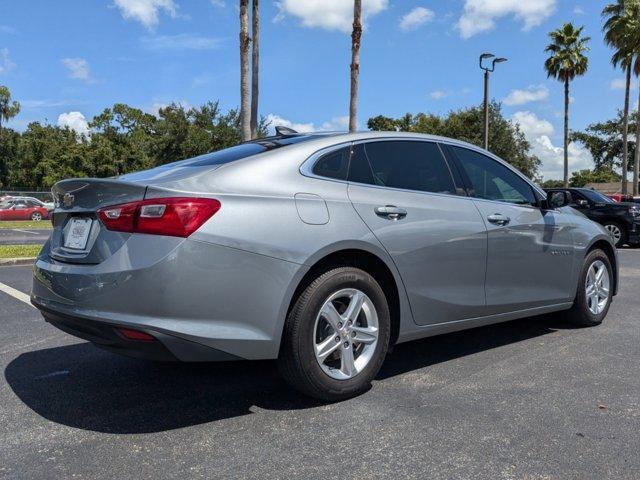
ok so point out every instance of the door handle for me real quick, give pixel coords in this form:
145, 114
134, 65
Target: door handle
498, 219
391, 212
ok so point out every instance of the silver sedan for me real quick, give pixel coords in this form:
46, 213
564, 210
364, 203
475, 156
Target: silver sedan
318, 250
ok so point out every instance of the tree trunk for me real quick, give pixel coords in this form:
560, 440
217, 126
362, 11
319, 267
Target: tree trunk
255, 67
566, 133
245, 41
625, 132
636, 163
356, 37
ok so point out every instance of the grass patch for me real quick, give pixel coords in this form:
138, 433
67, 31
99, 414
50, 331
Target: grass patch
19, 251
27, 224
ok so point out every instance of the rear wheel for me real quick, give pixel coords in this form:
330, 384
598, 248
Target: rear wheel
336, 335
36, 216
595, 288
617, 232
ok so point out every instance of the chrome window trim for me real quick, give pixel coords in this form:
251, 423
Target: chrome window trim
306, 169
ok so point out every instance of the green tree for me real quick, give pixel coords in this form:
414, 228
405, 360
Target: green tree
604, 142
567, 61
8, 108
505, 137
618, 30
583, 177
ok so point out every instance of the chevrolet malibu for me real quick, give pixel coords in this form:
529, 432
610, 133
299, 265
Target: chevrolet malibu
318, 250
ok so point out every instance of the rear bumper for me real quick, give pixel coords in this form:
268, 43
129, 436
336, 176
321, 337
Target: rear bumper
202, 302
165, 348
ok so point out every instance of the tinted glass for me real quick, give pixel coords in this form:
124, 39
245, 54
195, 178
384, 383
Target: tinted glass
333, 165
596, 196
359, 169
409, 165
222, 157
492, 181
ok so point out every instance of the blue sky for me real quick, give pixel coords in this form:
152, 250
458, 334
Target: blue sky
67, 60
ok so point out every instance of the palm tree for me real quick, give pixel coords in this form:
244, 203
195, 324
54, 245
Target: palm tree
634, 41
255, 66
616, 34
567, 61
245, 41
8, 108
356, 36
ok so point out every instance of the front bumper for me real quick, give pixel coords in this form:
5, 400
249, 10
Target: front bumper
201, 301
634, 234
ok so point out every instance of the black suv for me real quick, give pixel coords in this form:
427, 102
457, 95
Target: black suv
621, 219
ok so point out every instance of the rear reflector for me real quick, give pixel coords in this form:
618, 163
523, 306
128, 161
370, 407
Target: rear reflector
174, 216
136, 335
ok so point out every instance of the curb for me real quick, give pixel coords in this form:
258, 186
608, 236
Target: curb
17, 261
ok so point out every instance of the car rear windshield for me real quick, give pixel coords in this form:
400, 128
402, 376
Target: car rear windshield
241, 151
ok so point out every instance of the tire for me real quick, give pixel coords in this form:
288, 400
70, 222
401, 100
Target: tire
305, 329
580, 313
36, 216
614, 227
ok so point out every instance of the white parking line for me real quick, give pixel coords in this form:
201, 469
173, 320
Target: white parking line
17, 294
25, 231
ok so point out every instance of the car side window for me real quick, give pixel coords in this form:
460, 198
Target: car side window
492, 181
409, 165
333, 165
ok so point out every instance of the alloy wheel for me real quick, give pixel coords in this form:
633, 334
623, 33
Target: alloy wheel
597, 287
345, 333
36, 216
614, 231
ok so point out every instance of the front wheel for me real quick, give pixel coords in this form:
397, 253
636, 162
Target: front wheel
595, 288
617, 232
336, 335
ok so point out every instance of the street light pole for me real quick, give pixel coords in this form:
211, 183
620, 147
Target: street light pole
487, 71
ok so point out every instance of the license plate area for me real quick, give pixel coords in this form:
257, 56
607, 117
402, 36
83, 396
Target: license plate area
77, 233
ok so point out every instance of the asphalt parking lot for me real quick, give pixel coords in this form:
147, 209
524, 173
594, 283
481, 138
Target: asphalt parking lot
531, 399
23, 236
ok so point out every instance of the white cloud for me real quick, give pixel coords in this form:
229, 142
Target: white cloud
146, 11
7, 29
416, 18
438, 94
218, 3
335, 124
532, 126
78, 68
154, 108
481, 15
578, 10
621, 83
328, 14
75, 121
182, 41
539, 133
6, 64
48, 103
533, 93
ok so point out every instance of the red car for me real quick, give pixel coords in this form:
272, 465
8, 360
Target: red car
22, 210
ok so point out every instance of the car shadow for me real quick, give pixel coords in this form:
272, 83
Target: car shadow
84, 387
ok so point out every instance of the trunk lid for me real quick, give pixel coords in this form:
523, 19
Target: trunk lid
78, 235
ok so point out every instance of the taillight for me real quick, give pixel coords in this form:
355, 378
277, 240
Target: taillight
175, 216
136, 335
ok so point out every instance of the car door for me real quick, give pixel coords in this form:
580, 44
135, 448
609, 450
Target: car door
530, 249
405, 192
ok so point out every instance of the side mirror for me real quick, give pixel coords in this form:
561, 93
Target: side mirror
582, 203
558, 199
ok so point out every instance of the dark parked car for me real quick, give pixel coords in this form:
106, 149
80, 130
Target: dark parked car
621, 219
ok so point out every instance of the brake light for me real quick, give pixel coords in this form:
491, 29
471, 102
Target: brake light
175, 216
